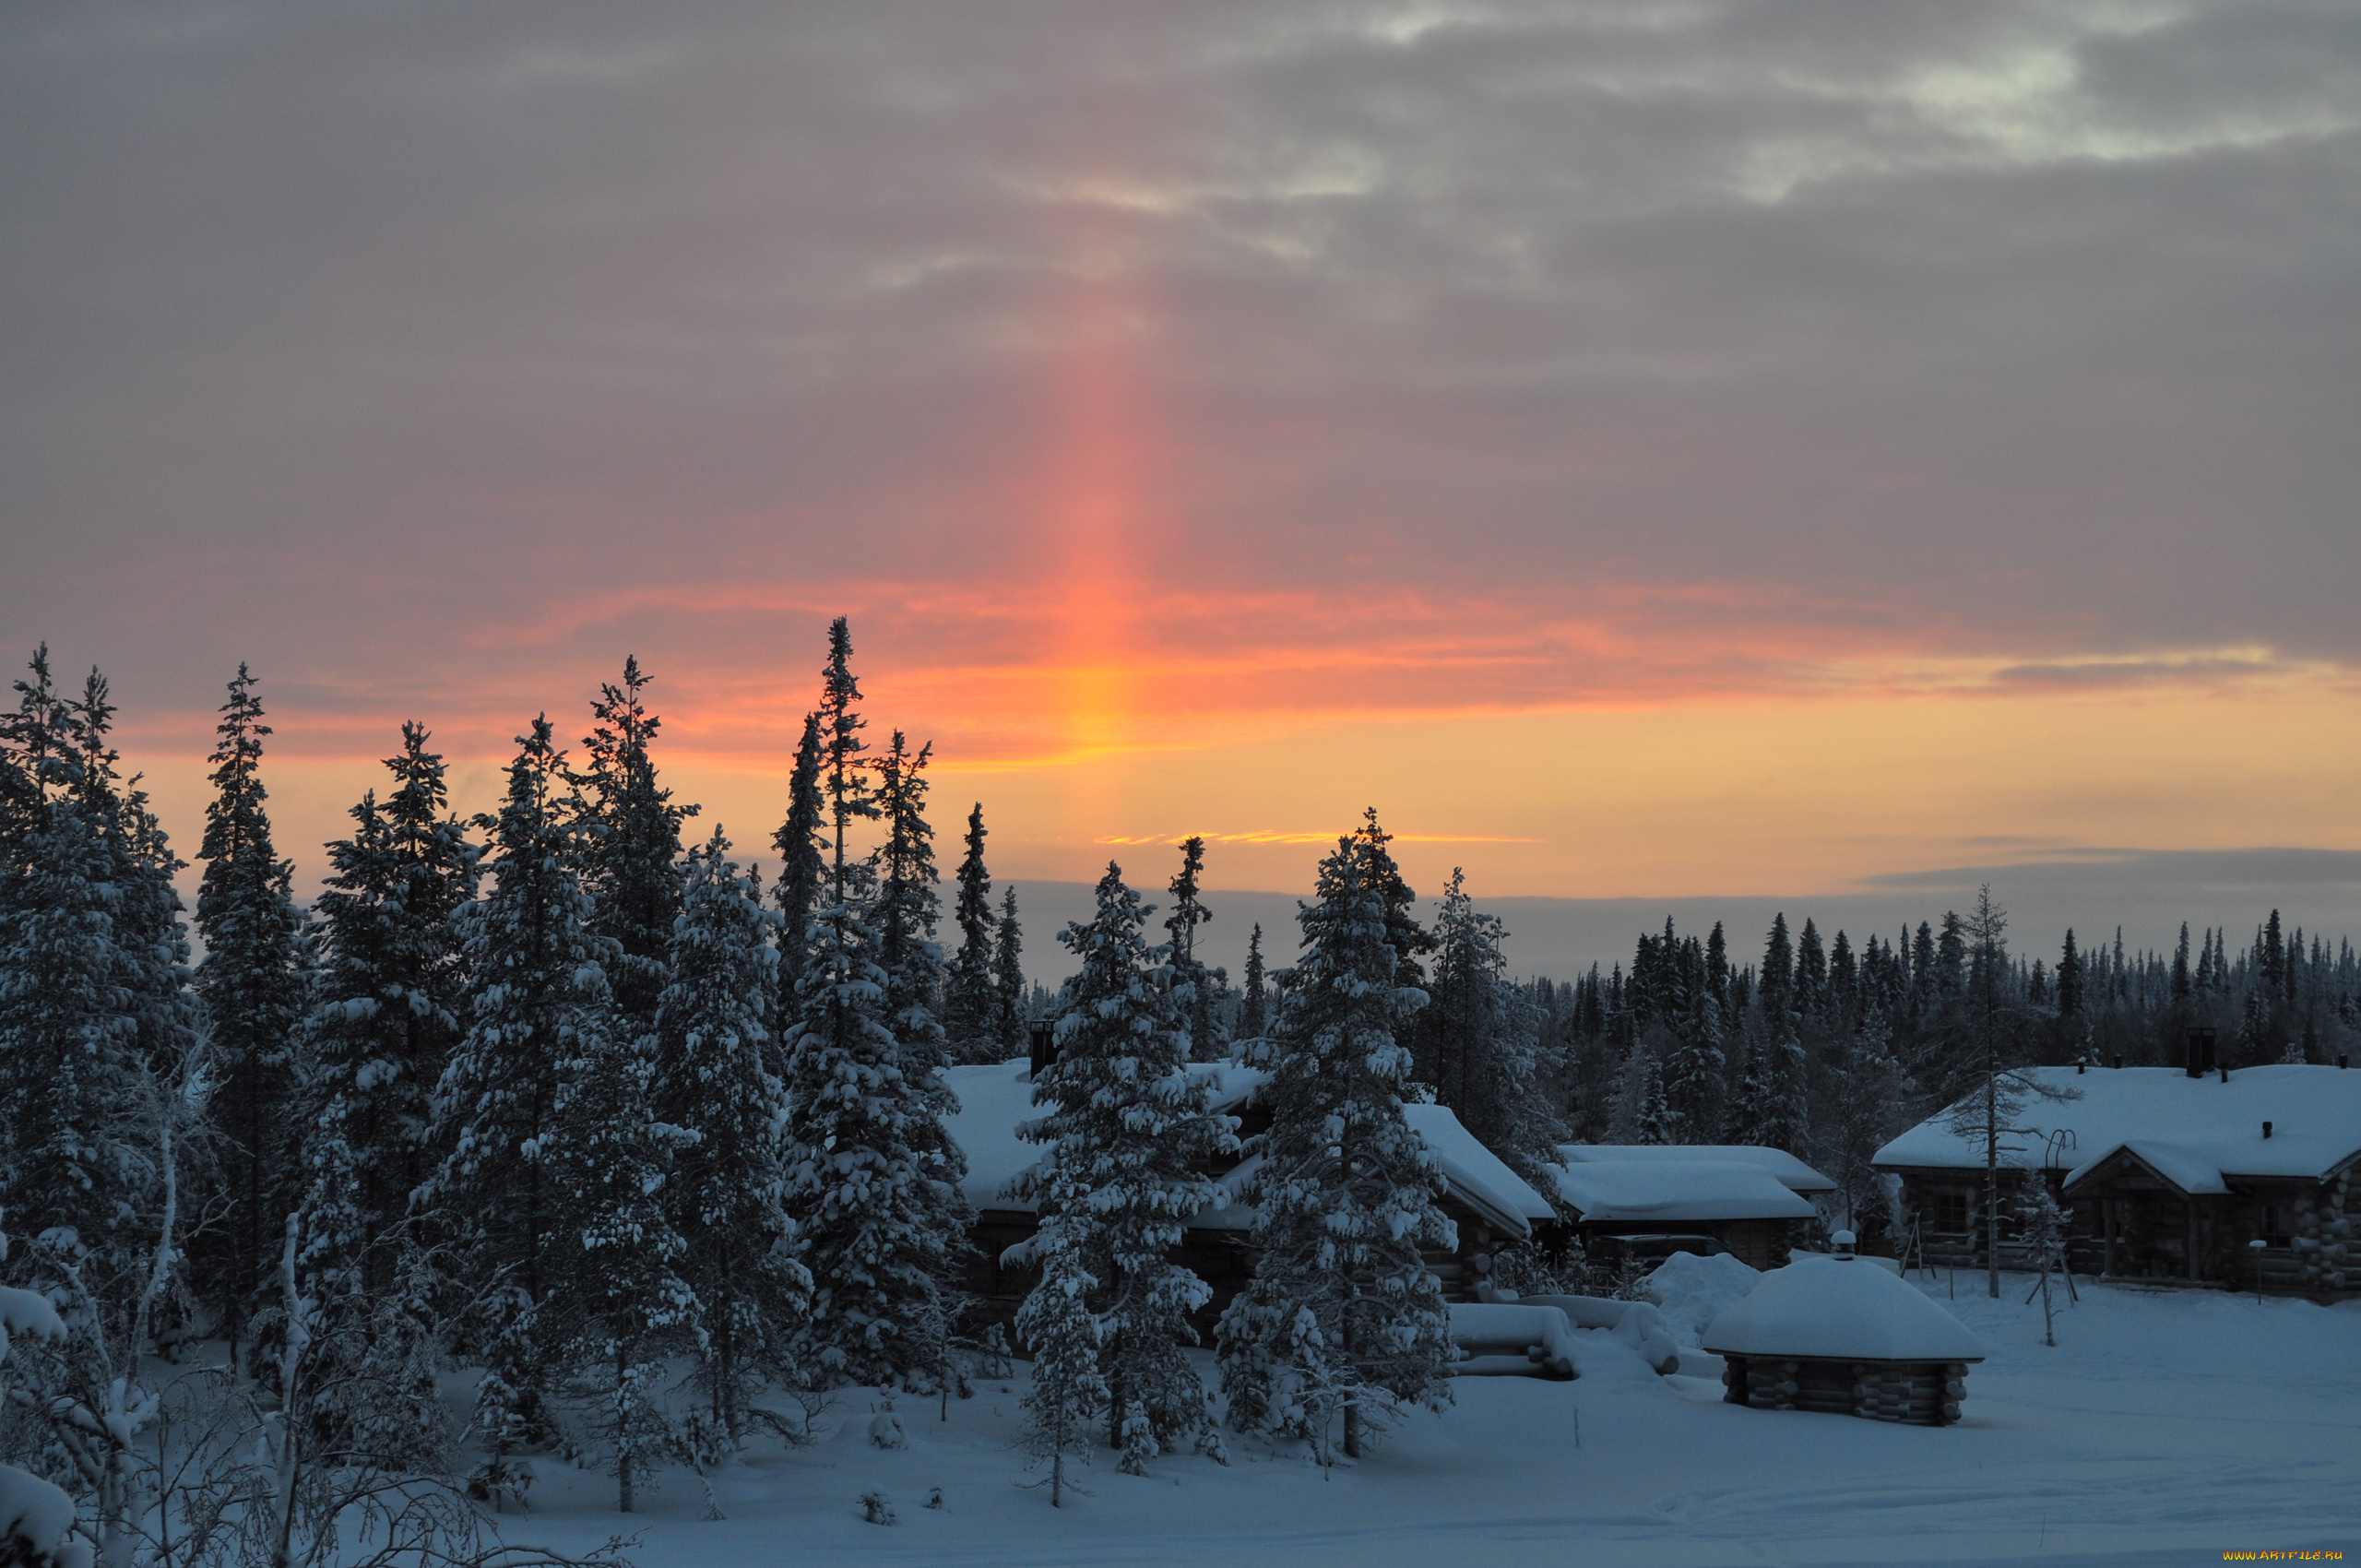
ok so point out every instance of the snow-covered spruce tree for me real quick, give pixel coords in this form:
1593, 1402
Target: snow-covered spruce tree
95, 1005
1346, 1197
1254, 1007
631, 850
1207, 1039
801, 843
908, 909
1694, 1070
971, 1003
713, 1081
1467, 1040
869, 1185
1128, 1135
617, 1306
1653, 1122
1008, 977
388, 989
252, 982
1770, 1111
1068, 1386
537, 987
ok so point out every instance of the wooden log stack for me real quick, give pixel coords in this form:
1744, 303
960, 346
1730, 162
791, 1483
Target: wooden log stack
1913, 1393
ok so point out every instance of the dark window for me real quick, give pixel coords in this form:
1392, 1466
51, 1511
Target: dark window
2274, 1226
1951, 1213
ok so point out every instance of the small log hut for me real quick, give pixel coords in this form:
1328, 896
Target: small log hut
1840, 1336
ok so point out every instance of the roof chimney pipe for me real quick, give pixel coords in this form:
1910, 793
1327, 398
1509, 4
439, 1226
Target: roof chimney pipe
2119, 1059
2226, 1072
2266, 1131
1043, 1037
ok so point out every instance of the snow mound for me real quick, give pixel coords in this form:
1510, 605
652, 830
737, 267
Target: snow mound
1636, 1324
1543, 1335
1837, 1307
1691, 1291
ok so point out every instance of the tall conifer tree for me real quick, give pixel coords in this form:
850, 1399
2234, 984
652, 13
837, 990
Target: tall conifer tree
1128, 1135
1008, 975
714, 1081
537, 993
971, 996
801, 842
1343, 1317
252, 982
631, 853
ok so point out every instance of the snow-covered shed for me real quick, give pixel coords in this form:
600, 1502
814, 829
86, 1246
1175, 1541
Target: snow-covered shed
1748, 1199
1487, 1202
2169, 1175
1842, 1336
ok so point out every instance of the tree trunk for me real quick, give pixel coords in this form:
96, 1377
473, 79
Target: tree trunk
624, 1454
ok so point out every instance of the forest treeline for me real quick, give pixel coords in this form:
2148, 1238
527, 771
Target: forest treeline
562, 1094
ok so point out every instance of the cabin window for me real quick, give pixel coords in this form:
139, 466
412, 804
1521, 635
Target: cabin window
2274, 1226
1951, 1213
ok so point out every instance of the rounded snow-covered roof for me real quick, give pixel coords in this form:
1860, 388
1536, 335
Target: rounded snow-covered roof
1843, 1309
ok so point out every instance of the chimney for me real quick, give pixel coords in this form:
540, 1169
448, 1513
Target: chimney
2119, 1059
2079, 1068
2266, 1131
2226, 1072
1044, 1036
2200, 1058
2340, 1064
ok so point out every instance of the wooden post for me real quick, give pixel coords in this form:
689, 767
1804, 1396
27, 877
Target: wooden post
2106, 1223
2193, 1238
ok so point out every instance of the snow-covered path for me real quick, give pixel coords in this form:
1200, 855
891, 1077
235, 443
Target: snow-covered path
2165, 1427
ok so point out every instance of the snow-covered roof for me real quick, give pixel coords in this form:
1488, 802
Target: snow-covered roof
1478, 1178
1840, 1307
1676, 1190
2199, 1133
995, 1100
1792, 1173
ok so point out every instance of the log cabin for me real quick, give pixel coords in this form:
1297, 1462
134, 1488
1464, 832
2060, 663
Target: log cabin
2169, 1175
1490, 1205
1751, 1200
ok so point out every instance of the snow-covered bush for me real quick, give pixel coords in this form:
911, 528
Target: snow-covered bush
876, 1507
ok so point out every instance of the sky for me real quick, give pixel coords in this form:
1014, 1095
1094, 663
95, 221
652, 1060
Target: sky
1645, 450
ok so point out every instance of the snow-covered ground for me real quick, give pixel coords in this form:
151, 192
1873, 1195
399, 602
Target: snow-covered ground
2165, 1427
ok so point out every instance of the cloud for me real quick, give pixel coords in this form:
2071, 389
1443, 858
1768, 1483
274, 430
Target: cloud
1131, 367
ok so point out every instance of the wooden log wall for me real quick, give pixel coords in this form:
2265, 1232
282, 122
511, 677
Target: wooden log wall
1916, 1392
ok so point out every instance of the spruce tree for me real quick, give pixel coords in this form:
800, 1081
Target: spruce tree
1343, 1316
1128, 1137
870, 1179
537, 997
714, 1081
801, 843
388, 991
618, 1306
1468, 1042
1068, 1388
1189, 912
631, 851
1253, 1010
1008, 977
98, 1023
1770, 1110
2070, 979
251, 983
971, 997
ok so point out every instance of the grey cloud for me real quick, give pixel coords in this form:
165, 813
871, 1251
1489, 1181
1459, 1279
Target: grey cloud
2033, 329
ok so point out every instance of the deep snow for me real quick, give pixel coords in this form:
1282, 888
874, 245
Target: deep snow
2166, 1426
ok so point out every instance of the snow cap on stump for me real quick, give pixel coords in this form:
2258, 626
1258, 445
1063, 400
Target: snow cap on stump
1840, 1309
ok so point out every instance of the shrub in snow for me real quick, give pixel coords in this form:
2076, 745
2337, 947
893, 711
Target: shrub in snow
885, 1431
876, 1507
1343, 1317
36, 1518
998, 1360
